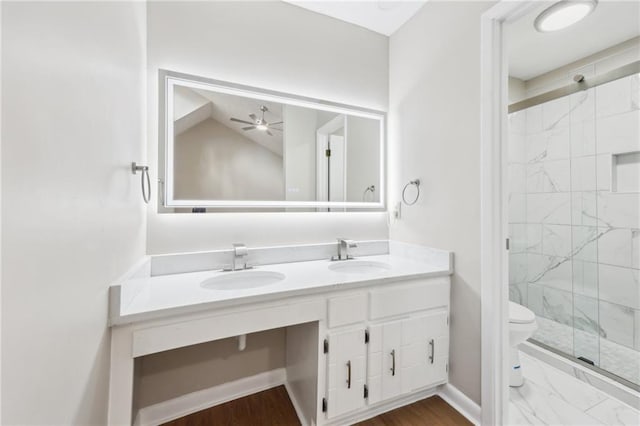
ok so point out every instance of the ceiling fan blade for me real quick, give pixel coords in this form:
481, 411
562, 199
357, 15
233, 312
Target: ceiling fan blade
253, 117
269, 133
249, 128
273, 124
241, 121
274, 128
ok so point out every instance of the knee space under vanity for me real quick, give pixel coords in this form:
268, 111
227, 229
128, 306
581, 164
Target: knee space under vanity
186, 380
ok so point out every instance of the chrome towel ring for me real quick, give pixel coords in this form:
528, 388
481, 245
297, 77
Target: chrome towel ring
415, 182
146, 189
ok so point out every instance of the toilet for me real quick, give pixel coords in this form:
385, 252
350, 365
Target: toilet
522, 324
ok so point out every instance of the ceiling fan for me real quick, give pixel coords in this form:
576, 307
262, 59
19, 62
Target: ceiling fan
259, 123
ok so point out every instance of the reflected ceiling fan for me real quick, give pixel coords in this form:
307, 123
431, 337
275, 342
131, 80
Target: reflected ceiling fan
259, 123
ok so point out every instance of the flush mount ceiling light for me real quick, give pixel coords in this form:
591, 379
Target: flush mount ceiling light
564, 14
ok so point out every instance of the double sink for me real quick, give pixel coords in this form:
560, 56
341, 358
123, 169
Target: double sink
252, 278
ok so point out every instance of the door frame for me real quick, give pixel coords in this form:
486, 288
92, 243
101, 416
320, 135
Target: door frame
494, 209
322, 138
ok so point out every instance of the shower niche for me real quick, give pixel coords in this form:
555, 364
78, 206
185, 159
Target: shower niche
625, 172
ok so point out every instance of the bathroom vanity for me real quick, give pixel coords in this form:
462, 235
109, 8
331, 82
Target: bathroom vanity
363, 336
365, 324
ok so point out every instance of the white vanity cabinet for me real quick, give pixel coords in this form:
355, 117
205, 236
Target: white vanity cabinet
385, 343
407, 355
346, 371
426, 354
355, 346
385, 356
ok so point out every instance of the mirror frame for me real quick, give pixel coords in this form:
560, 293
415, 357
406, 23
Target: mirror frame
168, 79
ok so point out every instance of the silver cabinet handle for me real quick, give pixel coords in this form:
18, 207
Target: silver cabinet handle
349, 374
393, 362
433, 350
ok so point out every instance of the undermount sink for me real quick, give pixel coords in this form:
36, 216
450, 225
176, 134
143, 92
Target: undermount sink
242, 280
359, 266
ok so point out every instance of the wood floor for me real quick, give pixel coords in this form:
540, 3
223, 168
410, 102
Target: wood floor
268, 408
273, 408
431, 411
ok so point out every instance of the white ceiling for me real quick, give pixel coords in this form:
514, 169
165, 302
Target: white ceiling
383, 17
532, 53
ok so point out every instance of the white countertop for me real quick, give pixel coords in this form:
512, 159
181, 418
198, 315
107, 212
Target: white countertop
167, 295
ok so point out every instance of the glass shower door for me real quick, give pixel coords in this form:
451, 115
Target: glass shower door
574, 223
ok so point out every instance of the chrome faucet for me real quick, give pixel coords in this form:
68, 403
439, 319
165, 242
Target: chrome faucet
240, 254
343, 249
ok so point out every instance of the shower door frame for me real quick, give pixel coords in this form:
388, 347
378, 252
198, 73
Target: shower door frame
493, 209
494, 217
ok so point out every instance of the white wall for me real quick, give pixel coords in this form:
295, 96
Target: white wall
517, 90
171, 374
363, 158
276, 46
72, 217
211, 161
435, 136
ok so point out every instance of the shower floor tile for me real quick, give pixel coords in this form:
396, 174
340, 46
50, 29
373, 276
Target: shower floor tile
617, 359
552, 397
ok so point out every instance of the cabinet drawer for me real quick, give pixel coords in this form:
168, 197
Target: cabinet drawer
348, 309
416, 295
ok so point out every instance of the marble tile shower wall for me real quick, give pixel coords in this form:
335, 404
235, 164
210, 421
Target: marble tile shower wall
574, 212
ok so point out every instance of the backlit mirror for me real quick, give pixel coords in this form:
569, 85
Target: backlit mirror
234, 147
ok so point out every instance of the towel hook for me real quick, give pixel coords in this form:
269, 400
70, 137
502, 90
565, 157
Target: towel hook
415, 182
146, 189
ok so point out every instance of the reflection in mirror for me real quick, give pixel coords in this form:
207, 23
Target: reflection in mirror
216, 158
238, 149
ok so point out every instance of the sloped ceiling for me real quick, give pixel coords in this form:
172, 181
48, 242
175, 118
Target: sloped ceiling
383, 17
223, 107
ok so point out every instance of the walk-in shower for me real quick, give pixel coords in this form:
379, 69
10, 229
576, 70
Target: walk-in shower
574, 218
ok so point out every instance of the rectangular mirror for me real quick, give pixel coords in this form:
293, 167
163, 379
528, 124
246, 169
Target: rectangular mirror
232, 147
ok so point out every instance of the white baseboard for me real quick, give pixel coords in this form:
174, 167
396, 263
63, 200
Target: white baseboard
461, 402
193, 402
381, 408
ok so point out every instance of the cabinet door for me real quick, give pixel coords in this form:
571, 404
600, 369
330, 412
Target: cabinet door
426, 348
346, 372
385, 366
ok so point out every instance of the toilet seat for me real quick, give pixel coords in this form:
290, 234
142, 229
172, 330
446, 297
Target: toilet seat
518, 314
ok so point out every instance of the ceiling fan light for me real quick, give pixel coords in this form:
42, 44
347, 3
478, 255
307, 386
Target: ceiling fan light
563, 14
261, 127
